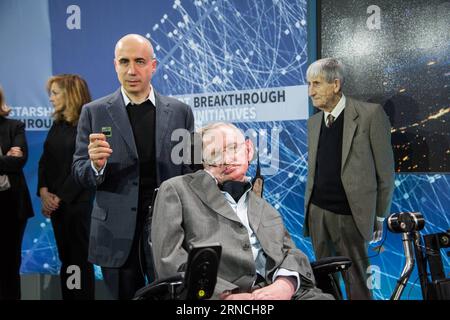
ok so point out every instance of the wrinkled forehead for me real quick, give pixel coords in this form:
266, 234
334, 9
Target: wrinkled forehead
223, 136
315, 77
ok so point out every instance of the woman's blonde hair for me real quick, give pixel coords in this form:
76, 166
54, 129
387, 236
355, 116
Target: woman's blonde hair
75, 93
4, 109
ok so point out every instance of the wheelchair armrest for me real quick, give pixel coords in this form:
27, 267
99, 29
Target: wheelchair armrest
331, 265
159, 289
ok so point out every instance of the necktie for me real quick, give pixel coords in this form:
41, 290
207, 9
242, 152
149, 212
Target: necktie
330, 120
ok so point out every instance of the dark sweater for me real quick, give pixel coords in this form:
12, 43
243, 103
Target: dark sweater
142, 120
329, 193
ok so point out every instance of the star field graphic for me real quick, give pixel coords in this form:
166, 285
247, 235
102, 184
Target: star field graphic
403, 65
217, 46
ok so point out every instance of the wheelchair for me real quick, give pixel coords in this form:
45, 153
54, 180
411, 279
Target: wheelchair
426, 250
196, 279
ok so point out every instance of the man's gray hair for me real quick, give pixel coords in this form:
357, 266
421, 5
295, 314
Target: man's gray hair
329, 68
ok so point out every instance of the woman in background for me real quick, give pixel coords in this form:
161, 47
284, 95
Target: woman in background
15, 201
67, 204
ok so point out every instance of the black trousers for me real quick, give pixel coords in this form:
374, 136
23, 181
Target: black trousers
71, 228
11, 234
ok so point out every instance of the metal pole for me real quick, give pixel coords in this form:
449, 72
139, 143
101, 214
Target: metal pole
409, 265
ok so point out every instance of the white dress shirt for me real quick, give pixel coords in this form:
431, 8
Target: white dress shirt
241, 209
337, 110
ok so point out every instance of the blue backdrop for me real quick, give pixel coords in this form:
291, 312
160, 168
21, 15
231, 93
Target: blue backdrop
203, 48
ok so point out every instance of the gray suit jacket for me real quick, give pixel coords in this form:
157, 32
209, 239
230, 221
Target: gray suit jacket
116, 200
367, 170
191, 210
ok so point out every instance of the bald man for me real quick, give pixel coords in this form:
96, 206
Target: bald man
123, 149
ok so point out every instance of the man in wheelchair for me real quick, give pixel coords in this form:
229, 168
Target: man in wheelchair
215, 205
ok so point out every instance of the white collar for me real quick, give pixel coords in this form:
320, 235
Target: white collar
337, 110
127, 100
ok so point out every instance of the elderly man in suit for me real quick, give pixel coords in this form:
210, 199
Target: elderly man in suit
259, 260
123, 148
350, 173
